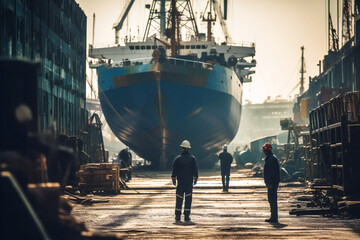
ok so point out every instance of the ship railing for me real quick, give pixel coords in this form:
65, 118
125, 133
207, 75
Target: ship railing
122, 43
241, 44
189, 63
131, 62
103, 45
170, 60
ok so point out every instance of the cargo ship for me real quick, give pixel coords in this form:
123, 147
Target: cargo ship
164, 89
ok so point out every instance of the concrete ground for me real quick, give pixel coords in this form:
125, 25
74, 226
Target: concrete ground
147, 212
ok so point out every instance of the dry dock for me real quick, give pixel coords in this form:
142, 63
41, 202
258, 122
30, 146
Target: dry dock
147, 211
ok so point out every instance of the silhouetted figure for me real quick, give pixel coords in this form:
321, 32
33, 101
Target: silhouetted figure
272, 179
185, 171
125, 159
225, 162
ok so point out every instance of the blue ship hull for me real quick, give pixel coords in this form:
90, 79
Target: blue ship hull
152, 108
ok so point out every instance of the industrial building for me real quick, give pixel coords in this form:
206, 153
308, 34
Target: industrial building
253, 126
52, 33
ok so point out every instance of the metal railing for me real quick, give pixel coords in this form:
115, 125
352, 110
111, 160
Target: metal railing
242, 44
122, 44
170, 60
104, 45
189, 63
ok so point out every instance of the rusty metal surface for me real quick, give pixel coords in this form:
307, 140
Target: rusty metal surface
238, 214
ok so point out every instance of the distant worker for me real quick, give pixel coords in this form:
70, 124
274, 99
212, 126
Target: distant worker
125, 159
185, 171
225, 161
245, 157
272, 179
237, 156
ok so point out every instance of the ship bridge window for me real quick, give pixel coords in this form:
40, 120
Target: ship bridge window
131, 47
192, 46
187, 46
142, 47
198, 46
137, 47
181, 46
153, 47
148, 47
204, 46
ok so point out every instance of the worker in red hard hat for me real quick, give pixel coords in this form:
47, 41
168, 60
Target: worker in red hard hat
272, 179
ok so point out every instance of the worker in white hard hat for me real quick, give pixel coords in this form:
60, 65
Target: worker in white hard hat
225, 162
185, 171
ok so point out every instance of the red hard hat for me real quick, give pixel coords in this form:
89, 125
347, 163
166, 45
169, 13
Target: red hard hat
267, 147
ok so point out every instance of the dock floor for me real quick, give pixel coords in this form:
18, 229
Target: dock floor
147, 211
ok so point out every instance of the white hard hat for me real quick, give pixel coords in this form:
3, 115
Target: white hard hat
225, 146
185, 144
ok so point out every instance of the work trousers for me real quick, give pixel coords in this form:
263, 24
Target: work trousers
272, 198
183, 190
225, 178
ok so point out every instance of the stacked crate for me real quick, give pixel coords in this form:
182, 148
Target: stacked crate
335, 134
99, 177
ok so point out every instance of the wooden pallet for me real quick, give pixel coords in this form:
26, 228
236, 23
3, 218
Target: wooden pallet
99, 177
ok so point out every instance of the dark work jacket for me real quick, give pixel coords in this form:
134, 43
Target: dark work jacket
185, 168
271, 170
225, 161
125, 158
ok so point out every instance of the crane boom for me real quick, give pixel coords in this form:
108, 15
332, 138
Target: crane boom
217, 8
120, 21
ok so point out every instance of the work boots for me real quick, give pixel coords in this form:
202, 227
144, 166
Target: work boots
274, 217
272, 220
177, 218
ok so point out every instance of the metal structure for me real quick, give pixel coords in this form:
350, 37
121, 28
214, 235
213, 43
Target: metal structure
335, 130
339, 72
209, 17
347, 21
93, 140
184, 18
333, 37
295, 146
302, 71
222, 19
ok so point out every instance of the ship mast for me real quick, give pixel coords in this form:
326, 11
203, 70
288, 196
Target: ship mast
162, 18
166, 15
302, 71
174, 29
210, 18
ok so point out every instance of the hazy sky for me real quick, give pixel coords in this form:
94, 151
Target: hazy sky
278, 27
